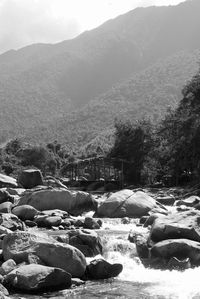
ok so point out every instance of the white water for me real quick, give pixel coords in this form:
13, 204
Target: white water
155, 283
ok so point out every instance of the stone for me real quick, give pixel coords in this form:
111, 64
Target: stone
6, 207
25, 212
166, 200
179, 248
48, 221
73, 202
7, 181
90, 223
37, 278
177, 225
150, 220
5, 196
30, 178
7, 267
30, 223
76, 282
127, 203
141, 242
3, 292
88, 242
19, 245
11, 222
101, 269
189, 202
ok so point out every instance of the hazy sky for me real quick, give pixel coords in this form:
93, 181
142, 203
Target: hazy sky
23, 22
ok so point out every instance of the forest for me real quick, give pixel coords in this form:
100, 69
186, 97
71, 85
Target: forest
166, 153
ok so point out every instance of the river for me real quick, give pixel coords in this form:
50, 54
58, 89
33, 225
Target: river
135, 281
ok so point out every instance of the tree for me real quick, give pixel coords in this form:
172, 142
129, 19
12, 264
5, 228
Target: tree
132, 143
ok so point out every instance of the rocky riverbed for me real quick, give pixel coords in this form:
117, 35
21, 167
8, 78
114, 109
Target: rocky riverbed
53, 239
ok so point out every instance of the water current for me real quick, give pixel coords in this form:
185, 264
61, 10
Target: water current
135, 281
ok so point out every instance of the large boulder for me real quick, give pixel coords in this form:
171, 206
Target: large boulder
38, 278
178, 248
20, 245
7, 181
127, 203
176, 225
59, 198
30, 178
25, 212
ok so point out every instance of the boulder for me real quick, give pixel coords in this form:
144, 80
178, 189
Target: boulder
11, 222
90, 223
5, 196
7, 267
25, 212
101, 269
30, 178
177, 225
37, 278
88, 242
48, 221
7, 181
19, 245
189, 202
6, 207
72, 202
179, 248
127, 203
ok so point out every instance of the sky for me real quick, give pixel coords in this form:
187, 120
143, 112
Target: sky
24, 22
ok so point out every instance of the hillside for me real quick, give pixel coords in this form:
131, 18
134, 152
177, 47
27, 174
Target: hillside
40, 85
146, 94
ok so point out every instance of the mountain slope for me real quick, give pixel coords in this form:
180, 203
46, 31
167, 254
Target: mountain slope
39, 84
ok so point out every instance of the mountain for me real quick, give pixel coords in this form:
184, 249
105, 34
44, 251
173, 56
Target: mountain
48, 91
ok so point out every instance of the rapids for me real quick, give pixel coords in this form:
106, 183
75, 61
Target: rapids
135, 281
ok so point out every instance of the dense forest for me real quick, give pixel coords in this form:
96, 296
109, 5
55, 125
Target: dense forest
165, 153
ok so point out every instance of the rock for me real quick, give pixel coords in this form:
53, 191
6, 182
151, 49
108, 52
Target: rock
189, 202
176, 264
10, 221
88, 242
150, 220
101, 269
175, 226
30, 178
7, 181
37, 278
56, 212
127, 203
166, 200
5, 196
4, 230
90, 223
126, 220
7, 267
30, 223
48, 221
72, 202
141, 242
6, 207
19, 245
25, 212
3, 292
179, 248
77, 282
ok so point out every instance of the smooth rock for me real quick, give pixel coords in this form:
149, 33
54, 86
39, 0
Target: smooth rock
7, 181
73, 202
6, 207
37, 278
127, 203
30, 178
19, 245
25, 212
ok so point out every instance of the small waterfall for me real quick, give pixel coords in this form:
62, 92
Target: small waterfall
152, 283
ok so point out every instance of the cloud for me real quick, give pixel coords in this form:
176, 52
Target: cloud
24, 22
